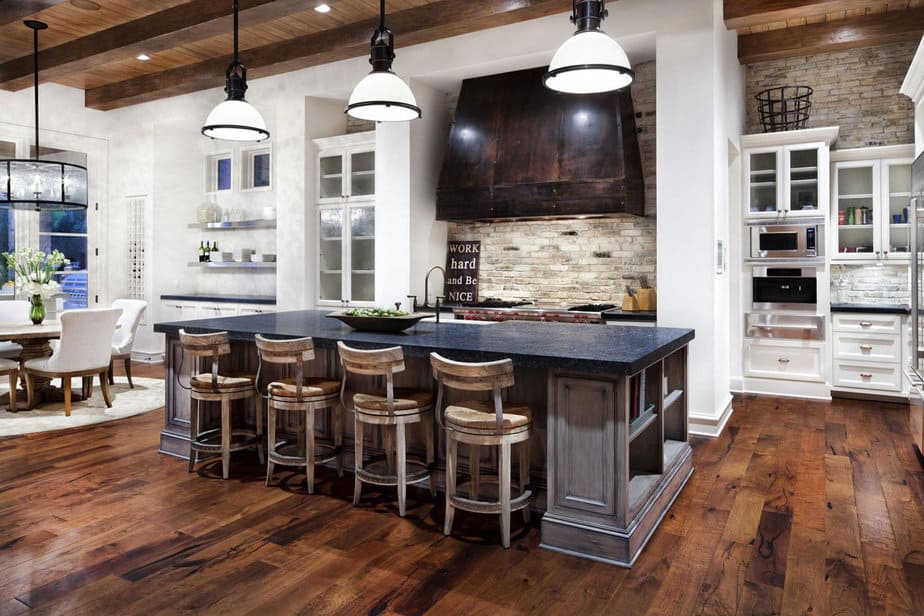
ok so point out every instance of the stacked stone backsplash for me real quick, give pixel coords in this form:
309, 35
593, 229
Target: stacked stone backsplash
562, 262
870, 284
856, 89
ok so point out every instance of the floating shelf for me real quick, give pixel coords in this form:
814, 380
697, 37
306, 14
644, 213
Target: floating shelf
237, 224
232, 265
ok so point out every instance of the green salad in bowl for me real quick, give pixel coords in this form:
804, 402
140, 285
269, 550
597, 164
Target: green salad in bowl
375, 312
378, 319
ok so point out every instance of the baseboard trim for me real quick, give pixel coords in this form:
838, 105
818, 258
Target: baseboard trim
708, 426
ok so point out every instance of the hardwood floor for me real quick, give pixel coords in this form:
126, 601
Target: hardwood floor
799, 508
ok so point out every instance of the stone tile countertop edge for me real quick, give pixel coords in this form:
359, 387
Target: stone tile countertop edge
614, 350
872, 308
221, 299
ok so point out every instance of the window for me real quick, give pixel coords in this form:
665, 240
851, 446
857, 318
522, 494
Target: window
257, 168
7, 235
218, 172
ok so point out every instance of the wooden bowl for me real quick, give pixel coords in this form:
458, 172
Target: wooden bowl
379, 324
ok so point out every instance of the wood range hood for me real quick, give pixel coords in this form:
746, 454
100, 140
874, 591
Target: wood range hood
519, 150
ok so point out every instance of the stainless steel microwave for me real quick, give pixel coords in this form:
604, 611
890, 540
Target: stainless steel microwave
796, 240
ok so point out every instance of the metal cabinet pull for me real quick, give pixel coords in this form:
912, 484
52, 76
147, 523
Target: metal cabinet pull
865, 375
866, 347
783, 360
866, 324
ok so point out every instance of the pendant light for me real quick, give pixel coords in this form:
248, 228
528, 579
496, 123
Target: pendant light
34, 184
590, 61
234, 119
382, 96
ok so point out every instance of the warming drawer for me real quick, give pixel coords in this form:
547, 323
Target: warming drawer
786, 326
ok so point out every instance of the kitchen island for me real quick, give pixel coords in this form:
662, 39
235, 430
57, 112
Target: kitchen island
608, 446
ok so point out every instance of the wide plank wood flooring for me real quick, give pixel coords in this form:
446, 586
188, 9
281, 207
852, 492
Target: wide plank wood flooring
799, 508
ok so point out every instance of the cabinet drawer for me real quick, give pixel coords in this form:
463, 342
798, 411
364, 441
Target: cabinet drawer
868, 347
869, 323
774, 360
867, 376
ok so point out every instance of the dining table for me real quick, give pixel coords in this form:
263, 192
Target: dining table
35, 342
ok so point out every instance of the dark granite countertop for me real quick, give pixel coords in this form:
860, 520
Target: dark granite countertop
612, 350
221, 299
874, 308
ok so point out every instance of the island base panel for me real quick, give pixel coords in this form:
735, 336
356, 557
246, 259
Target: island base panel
613, 545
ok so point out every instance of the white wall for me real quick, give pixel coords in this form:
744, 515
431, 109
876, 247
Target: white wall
160, 151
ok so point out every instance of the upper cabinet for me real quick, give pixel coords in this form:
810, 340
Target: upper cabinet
786, 174
346, 168
871, 190
518, 149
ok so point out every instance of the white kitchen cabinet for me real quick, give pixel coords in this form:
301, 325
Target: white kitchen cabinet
871, 188
786, 174
177, 310
244, 309
792, 360
346, 221
868, 351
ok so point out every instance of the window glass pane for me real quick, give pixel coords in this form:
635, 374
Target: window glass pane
224, 174
261, 170
7, 244
74, 248
63, 222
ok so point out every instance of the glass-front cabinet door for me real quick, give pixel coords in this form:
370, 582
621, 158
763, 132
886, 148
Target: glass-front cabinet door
362, 174
802, 175
330, 259
331, 187
896, 239
764, 188
362, 254
856, 187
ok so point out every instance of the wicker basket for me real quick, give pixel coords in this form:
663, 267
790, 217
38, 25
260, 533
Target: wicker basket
784, 108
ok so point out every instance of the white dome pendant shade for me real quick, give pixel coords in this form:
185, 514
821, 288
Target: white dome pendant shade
381, 96
234, 119
590, 61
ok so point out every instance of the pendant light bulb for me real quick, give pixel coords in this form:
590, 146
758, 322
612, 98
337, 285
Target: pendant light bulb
590, 61
234, 119
382, 96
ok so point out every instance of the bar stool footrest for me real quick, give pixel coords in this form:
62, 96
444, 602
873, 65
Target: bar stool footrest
520, 501
287, 454
210, 440
376, 473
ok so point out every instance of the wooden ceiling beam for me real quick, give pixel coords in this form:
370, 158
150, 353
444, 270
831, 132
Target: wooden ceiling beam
14, 10
411, 27
865, 31
179, 25
747, 13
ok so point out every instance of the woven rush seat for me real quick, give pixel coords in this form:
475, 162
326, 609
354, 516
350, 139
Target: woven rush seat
311, 387
477, 416
232, 381
404, 400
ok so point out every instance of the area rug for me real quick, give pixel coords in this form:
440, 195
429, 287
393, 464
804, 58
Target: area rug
147, 395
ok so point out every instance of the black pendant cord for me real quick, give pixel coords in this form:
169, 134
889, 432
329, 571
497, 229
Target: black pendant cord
36, 71
235, 32
382, 14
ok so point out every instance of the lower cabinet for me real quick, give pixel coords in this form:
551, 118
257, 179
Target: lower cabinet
868, 351
183, 310
793, 360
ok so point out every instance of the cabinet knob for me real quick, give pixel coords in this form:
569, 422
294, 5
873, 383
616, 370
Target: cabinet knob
783, 360
877, 254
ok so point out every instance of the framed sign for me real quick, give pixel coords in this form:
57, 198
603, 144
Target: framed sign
462, 261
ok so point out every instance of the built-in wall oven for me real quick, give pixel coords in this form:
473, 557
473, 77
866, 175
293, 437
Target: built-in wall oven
784, 288
797, 240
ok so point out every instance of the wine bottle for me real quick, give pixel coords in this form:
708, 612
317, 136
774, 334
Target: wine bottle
206, 254
201, 252
215, 256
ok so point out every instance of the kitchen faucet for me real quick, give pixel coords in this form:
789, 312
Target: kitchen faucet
426, 303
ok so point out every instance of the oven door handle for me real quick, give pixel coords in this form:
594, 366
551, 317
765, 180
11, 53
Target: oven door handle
794, 326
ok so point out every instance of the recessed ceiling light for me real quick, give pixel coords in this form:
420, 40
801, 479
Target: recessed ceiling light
143, 57
322, 8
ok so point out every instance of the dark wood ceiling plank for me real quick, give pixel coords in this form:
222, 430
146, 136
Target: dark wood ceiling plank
180, 25
411, 26
865, 31
14, 10
747, 13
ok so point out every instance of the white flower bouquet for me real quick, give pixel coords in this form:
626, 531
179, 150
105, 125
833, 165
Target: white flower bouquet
35, 271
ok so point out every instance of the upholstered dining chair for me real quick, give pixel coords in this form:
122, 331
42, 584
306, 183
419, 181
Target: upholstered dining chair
124, 336
13, 312
84, 350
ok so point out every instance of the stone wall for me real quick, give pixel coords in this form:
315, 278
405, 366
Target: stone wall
857, 89
562, 262
870, 284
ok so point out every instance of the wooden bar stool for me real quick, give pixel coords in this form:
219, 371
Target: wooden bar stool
387, 407
213, 387
304, 395
483, 422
